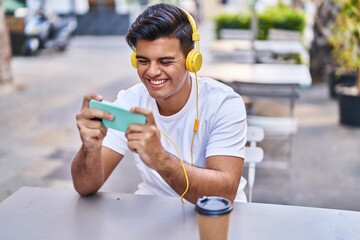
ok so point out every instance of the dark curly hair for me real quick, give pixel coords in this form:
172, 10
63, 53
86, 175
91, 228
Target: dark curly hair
162, 21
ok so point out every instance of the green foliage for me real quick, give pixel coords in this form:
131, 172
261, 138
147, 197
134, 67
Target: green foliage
232, 21
281, 17
345, 36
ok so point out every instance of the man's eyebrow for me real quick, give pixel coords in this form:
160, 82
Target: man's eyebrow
139, 56
167, 58
160, 59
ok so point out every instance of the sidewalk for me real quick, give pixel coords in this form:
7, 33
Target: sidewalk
40, 138
325, 164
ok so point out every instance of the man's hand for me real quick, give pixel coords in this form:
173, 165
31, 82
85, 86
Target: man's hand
92, 131
145, 139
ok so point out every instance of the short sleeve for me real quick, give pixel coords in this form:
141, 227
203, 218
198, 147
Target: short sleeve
116, 141
228, 129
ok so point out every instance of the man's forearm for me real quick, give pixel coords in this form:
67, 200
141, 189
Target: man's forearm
87, 171
201, 181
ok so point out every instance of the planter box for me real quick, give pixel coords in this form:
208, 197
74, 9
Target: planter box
16, 27
228, 33
349, 108
17, 43
15, 24
346, 78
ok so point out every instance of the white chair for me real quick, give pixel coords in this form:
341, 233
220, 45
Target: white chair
253, 154
281, 130
278, 129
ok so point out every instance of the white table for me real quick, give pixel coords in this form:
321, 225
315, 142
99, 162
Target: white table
258, 73
43, 214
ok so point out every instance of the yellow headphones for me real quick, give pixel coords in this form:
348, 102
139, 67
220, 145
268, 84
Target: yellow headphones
194, 57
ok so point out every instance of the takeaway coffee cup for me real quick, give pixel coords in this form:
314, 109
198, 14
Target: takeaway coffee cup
213, 216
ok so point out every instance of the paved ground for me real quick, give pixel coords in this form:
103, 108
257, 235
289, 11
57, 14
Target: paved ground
39, 136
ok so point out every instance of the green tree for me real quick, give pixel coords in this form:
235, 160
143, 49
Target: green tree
345, 37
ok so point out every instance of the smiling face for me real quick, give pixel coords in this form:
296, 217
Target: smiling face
161, 67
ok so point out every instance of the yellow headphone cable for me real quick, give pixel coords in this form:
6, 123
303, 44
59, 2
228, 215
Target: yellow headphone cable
196, 125
196, 39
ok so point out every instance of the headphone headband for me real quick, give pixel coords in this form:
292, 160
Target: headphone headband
195, 34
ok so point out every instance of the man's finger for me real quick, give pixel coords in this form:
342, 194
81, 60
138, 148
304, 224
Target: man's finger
88, 97
134, 136
99, 114
132, 145
147, 112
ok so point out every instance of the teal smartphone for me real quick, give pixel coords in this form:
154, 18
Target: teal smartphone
122, 117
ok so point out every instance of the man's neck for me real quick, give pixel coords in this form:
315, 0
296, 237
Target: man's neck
170, 106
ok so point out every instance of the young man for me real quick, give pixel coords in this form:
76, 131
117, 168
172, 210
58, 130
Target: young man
171, 98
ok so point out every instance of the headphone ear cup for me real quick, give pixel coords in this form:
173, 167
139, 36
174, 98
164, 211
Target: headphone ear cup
193, 61
133, 59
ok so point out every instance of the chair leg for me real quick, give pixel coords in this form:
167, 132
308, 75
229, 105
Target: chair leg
250, 194
251, 179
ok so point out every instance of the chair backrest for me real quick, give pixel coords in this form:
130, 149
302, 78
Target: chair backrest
254, 135
253, 154
276, 127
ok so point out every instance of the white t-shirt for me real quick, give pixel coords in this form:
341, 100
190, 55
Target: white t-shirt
222, 130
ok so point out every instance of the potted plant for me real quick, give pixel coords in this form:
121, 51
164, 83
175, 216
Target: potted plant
345, 39
337, 76
236, 21
280, 16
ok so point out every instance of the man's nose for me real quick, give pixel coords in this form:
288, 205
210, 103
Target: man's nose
154, 69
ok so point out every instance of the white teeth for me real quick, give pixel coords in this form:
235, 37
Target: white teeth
157, 82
